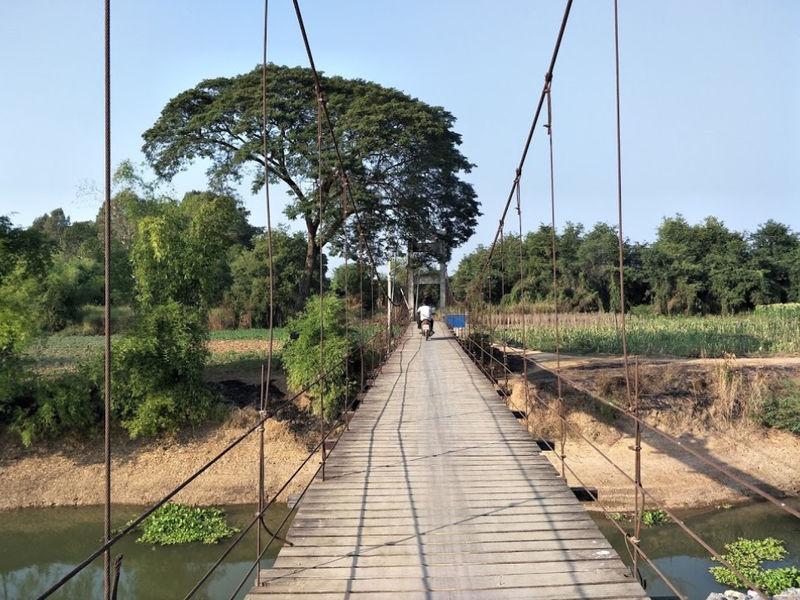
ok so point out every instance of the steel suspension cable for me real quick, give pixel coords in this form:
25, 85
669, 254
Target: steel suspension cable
553, 253
264, 400
107, 306
320, 104
522, 286
657, 501
345, 178
532, 129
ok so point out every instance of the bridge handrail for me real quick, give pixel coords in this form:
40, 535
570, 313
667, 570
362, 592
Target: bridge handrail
186, 482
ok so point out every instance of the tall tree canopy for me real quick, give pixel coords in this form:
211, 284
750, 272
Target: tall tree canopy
401, 154
703, 268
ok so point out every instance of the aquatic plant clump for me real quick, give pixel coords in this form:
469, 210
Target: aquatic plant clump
652, 518
181, 524
747, 557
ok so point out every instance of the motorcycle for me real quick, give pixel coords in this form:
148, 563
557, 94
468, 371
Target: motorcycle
426, 328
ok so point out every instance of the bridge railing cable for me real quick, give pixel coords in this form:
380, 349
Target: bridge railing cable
377, 342
481, 342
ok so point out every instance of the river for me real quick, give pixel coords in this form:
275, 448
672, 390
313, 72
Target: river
686, 563
37, 546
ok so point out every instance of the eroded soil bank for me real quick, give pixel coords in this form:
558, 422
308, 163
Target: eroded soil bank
710, 406
706, 403
70, 473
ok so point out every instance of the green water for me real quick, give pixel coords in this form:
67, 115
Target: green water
39, 546
686, 563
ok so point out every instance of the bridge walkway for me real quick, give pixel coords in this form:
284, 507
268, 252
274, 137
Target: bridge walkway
436, 491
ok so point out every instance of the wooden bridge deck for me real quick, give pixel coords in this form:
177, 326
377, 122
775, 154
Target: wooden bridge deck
438, 492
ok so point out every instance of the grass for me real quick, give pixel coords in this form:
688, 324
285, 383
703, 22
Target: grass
64, 352
763, 333
279, 333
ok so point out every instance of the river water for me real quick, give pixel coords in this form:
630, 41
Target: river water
38, 546
686, 563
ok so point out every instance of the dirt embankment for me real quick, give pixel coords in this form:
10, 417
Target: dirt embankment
71, 472
707, 404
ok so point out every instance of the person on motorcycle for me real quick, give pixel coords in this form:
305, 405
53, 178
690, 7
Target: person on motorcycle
425, 311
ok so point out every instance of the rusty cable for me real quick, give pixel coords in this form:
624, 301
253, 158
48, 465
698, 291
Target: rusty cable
658, 502
332, 132
637, 551
666, 436
264, 399
562, 406
107, 583
138, 520
522, 286
529, 139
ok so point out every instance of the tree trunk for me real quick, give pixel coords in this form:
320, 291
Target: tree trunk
312, 254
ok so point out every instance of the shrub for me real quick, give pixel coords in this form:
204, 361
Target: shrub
652, 518
747, 557
67, 403
301, 355
158, 372
782, 408
181, 524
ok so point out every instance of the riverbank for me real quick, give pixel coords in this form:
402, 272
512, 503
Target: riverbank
707, 404
70, 472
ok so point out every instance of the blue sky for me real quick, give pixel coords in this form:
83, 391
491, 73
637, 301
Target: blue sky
710, 93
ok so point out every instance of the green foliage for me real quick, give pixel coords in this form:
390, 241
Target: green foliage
653, 518
709, 336
782, 408
747, 557
249, 292
301, 355
181, 253
789, 310
180, 524
402, 154
71, 284
348, 280
689, 269
46, 407
158, 372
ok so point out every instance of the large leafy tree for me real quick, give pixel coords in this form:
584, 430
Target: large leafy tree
401, 154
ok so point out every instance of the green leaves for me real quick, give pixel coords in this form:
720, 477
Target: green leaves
401, 154
180, 524
301, 354
747, 557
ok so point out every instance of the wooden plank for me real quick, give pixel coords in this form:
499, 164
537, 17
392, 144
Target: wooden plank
436, 491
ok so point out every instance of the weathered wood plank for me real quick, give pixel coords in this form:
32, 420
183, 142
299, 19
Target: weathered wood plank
435, 492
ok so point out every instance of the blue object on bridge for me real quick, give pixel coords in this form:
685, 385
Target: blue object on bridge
456, 320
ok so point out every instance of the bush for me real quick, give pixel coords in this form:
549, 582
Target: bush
747, 557
92, 320
158, 372
782, 408
47, 408
181, 524
653, 518
301, 357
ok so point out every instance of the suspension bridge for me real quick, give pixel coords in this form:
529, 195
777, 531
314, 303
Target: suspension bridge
437, 491
428, 485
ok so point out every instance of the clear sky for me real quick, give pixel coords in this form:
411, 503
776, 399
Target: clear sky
710, 95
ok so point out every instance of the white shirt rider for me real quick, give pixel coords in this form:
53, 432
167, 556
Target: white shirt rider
425, 312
